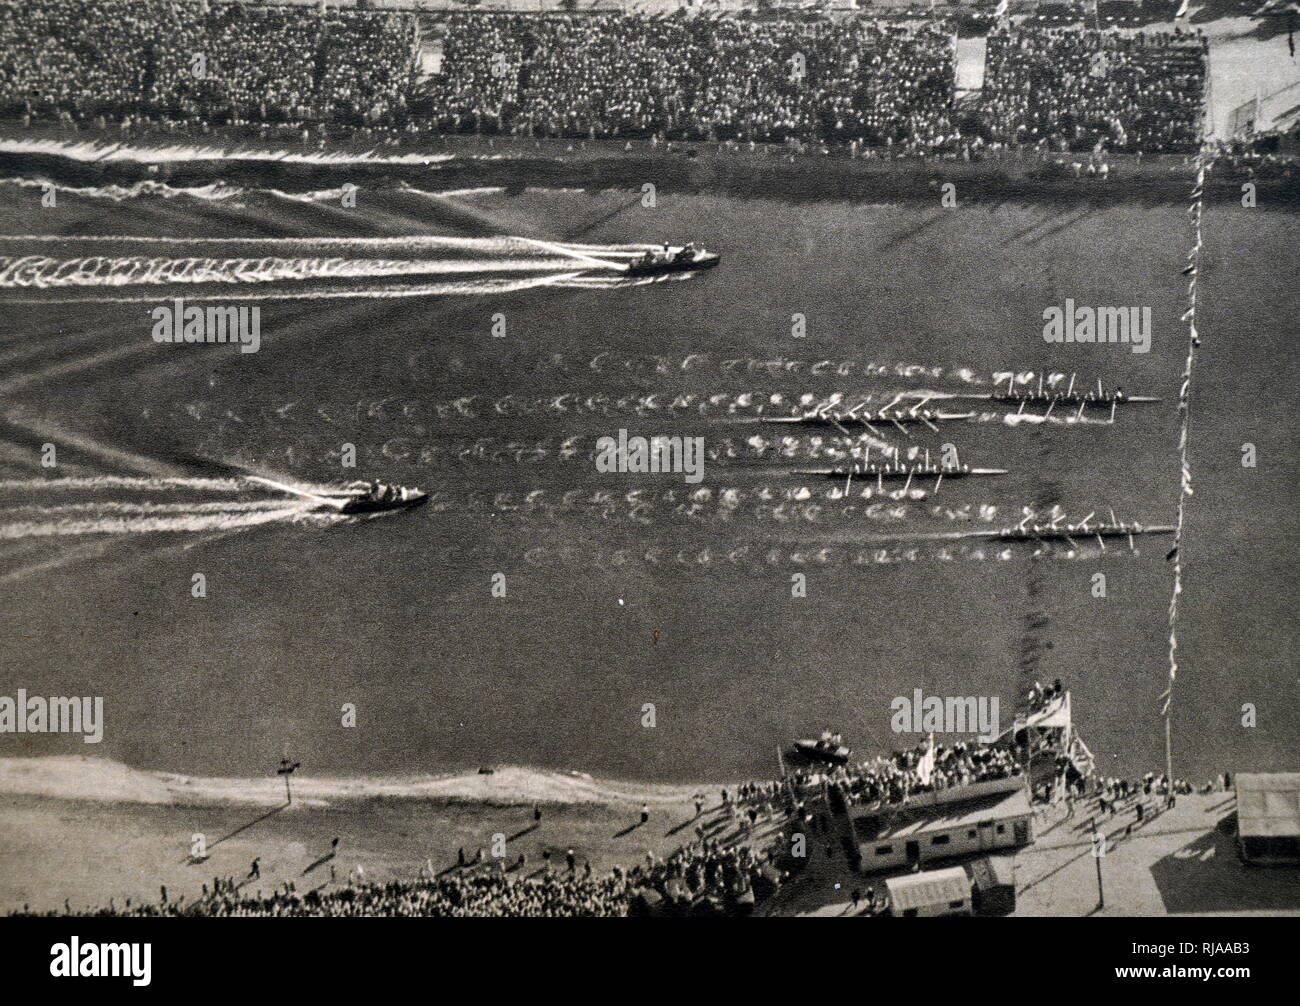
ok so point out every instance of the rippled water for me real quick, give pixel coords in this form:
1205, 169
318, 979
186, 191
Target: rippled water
623, 590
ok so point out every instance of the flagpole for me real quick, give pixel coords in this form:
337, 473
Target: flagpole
1169, 757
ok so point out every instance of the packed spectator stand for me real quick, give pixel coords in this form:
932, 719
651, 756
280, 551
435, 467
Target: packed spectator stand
847, 83
1080, 89
200, 66
697, 79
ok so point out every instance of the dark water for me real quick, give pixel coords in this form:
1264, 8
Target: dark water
631, 589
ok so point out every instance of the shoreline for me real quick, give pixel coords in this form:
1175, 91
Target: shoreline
516, 165
88, 779
1179, 861
124, 832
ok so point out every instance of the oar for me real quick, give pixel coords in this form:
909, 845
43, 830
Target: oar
838, 425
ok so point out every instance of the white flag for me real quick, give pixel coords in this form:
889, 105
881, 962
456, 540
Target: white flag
925, 767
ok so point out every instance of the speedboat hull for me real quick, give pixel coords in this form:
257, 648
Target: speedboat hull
707, 260
815, 751
368, 506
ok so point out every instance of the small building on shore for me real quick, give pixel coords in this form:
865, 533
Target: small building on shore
1268, 818
935, 892
943, 825
993, 879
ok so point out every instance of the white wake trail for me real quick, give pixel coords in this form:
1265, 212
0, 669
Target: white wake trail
460, 289
43, 272
18, 523
120, 482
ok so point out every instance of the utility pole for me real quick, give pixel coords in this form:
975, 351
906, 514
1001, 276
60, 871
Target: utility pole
1098, 850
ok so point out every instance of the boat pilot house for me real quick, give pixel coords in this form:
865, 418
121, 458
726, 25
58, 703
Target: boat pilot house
943, 825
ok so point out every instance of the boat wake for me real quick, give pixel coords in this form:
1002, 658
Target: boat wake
216, 192
761, 558
309, 267
130, 505
44, 272
155, 485
108, 518
854, 506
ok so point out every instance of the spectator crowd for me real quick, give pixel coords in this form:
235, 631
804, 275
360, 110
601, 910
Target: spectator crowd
1079, 90
730, 868
707, 877
697, 79
196, 66
200, 66
902, 774
490, 894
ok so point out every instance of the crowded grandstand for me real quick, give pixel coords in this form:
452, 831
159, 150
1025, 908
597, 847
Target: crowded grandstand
199, 66
696, 78
854, 83
1077, 90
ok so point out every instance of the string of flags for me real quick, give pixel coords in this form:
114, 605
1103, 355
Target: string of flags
1204, 162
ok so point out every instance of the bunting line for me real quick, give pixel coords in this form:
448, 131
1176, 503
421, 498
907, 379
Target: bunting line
1204, 163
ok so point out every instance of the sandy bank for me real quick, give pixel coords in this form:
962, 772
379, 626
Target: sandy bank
88, 830
105, 781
